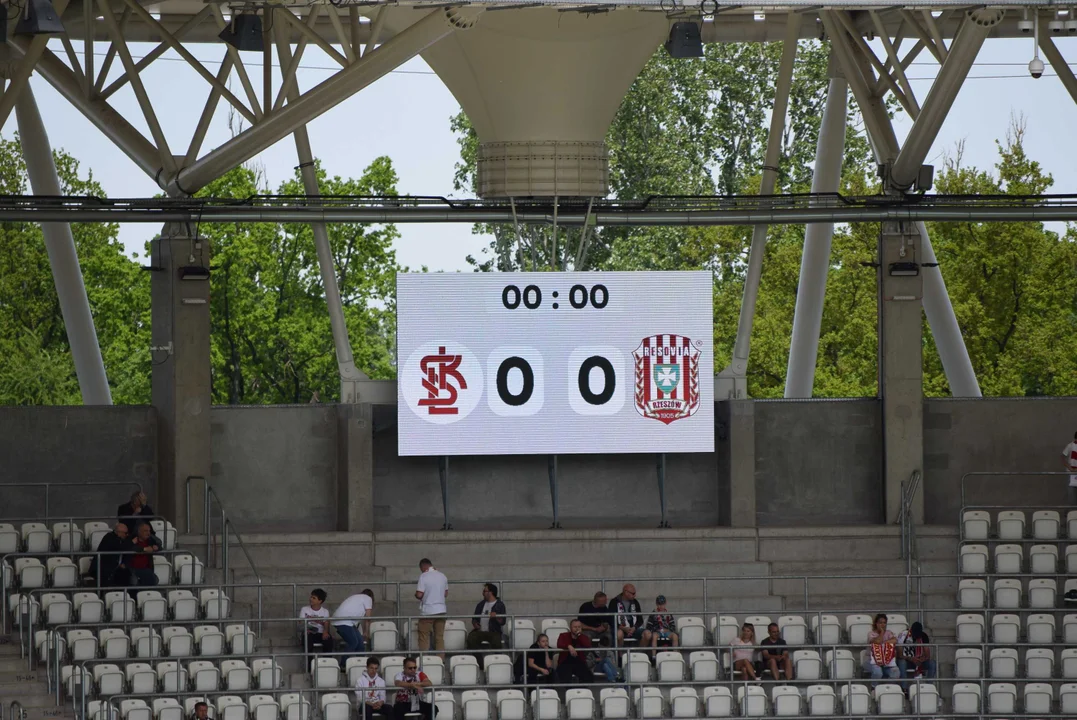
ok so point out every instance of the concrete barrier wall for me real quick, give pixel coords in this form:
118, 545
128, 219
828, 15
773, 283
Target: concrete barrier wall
818, 463
994, 434
275, 468
74, 447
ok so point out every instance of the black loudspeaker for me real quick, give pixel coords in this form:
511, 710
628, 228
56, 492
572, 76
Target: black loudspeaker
684, 41
244, 33
39, 18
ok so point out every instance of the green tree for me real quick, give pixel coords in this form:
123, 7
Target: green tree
271, 337
37, 367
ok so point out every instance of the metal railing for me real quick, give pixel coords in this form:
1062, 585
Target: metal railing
227, 530
909, 551
68, 486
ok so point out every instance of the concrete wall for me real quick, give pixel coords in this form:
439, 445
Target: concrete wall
996, 434
275, 467
818, 463
74, 446
513, 492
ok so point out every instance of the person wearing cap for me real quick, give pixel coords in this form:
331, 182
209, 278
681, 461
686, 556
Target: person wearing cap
914, 659
662, 627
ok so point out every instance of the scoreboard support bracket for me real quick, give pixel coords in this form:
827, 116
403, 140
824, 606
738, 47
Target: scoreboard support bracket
443, 473
551, 466
661, 467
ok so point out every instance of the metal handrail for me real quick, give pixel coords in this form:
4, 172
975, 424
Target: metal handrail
47, 485
11, 710
909, 551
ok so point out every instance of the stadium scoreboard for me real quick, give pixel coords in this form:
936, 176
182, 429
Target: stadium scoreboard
555, 363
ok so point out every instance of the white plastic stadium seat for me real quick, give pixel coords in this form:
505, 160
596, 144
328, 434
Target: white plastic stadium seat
1002, 698
826, 629
36, 537
264, 707
1068, 658
968, 663
693, 631
1009, 559
966, 699
545, 704
63, 572
970, 629
821, 701
95, 530
717, 702
523, 634
1011, 526
114, 643
205, 676
1042, 593
972, 594
56, 608
1005, 629
636, 667
511, 705
240, 639
1007, 594
135, 710
889, 699
977, 524
120, 606
147, 642
670, 667
1039, 664
269, 674
109, 679
1045, 524
614, 702
162, 569
579, 704
434, 667
294, 706
752, 700
209, 640
1040, 629
177, 641
857, 628
1069, 629
9, 539
141, 678
1043, 559
973, 559
151, 606
31, 573
683, 702
649, 704
171, 677
456, 635
464, 670
760, 622
383, 636
841, 665
1038, 698
236, 674
231, 707
325, 672
924, 698
856, 699
703, 665
793, 629
498, 669
553, 628
68, 537
183, 605
1003, 663
807, 665
167, 709
724, 629
215, 604
88, 608
445, 702
336, 706
785, 701
475, 704
189, 570
1067, 699
1071, 524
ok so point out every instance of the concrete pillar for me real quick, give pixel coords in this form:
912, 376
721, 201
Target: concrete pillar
901, 361
181, 382
355, 468
742, 463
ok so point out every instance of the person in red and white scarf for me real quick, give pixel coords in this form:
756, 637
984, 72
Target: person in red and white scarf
882, 651
370, 692
411, 683
1069, 460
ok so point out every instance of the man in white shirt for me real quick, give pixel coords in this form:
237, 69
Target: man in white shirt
1069, 460
346, 621
316, 614
370, 692
431, 591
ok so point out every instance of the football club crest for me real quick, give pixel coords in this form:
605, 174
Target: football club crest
667, 377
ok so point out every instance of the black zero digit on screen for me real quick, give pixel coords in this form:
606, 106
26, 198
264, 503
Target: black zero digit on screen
515, 293
608, 386
532, 297
503, 381
595, 294
578, 291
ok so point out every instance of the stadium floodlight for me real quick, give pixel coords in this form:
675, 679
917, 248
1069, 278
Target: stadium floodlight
244, 32
904, 269
38, 17
684, 41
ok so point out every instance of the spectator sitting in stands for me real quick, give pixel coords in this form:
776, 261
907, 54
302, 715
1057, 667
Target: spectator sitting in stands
572, 662
201, 711
317, 634
360, 605
370, 691
111, 570
777, 661
744, 653
630, 618
135, 512
141, 560
536, 663
882, 651
595, 618
487, 623
915, 656
412, 682
1069, 461
662, 627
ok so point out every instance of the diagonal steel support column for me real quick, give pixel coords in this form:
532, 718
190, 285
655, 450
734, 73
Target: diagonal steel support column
350, 376
941, 97
737, 371
1065, 74
315, 102
63, 259
815, 262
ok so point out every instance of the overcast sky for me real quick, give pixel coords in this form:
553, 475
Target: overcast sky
406, 116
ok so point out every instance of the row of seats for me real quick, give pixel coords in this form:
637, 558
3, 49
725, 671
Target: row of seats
1006, 629
87, 608
61, 572
36, 537
1010, 594
171, 676
618, 704
142, 642
1010, 525
1004, 663
1009, 559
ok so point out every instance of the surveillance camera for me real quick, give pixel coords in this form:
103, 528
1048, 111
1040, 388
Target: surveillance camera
1035, 68
1071, 26
1025, 26
1056, 26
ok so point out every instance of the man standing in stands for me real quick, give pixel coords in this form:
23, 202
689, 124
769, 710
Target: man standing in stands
111, 568
135, 512
488, 621
141, 561
412, 683
629, 616
370, 692
572, 662
1069, 461
431, 592
347, 619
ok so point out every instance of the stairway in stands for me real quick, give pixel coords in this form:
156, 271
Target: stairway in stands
30, 687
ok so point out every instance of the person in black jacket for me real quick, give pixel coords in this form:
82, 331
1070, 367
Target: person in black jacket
135, 512
111, 569
488, 621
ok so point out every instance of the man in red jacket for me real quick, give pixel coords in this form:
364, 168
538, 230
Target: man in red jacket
572, 662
